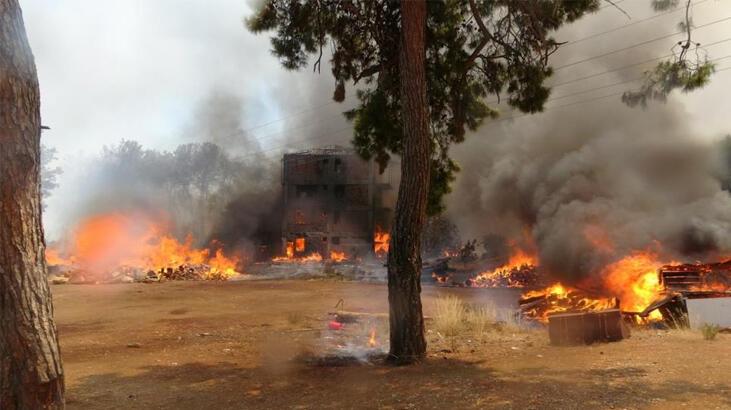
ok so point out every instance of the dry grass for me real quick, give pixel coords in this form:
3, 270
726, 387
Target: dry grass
450, 319
710, 331
455, 319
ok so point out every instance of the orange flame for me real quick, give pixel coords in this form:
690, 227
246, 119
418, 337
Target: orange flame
634, 280
503, 275
299, 244
338, 256
53, 257
560, 299
372, 339
108, 241
313, 257
381, 241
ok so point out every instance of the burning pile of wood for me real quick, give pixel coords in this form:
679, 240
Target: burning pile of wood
523, 276
539, 305
191, 271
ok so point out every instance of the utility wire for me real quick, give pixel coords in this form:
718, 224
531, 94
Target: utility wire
638, 44
715, 43
622, 82
570, 43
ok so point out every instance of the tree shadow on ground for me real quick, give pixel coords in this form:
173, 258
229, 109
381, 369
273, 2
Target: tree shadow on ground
435, 384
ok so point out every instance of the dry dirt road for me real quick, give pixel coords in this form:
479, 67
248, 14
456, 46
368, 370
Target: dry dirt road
239, 345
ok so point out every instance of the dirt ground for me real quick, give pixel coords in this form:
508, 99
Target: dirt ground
244, 345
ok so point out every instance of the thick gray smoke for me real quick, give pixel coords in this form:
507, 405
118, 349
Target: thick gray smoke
595, 181
597, 187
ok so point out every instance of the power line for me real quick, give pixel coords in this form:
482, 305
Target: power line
578, 102
570, 43
622, 82
638, 44
630, 65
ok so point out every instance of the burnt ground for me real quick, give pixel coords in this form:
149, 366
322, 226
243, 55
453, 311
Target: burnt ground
198, 345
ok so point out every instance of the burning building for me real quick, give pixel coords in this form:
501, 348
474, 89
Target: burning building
335, 204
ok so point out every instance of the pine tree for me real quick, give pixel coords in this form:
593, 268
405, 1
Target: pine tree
471, 49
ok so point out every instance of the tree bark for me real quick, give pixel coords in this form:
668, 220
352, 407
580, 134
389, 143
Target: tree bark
404, 258
31, 375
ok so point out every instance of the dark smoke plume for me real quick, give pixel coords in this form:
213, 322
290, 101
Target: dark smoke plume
593, 182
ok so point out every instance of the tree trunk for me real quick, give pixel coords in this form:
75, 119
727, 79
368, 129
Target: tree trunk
31, 375
404, 258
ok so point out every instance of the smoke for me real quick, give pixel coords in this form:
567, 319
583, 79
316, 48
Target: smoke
593, 182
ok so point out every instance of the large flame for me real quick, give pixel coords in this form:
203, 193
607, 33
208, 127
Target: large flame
105, 242
634, 279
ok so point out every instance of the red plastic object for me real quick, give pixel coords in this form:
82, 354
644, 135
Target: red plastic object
333, 325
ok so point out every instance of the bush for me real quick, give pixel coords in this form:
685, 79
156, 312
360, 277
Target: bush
710, 331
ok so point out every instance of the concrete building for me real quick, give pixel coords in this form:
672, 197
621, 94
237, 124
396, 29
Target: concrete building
333, 201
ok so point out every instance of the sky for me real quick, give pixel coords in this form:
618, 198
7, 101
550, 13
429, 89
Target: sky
140, 69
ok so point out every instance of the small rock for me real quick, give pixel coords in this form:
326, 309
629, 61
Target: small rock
134, 345
204, 334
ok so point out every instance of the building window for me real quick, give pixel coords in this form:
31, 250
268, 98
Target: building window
299, 244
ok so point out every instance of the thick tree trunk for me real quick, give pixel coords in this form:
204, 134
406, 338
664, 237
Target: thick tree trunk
404, 258
31, 376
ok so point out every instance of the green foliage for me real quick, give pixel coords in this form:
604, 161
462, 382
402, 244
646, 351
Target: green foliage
475, 48
439, 234
688, 70
665, 78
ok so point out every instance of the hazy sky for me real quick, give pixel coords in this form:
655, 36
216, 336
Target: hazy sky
138, 69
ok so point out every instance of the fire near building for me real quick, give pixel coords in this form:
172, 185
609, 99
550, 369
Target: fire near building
335, 204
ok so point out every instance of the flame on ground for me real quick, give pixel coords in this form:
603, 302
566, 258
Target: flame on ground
105, 242
372, 338
313, 257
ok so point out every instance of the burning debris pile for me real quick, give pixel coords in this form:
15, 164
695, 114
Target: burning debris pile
640, 286
540, 304
121, 248
464, 268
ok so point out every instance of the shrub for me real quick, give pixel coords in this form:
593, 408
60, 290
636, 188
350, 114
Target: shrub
710, 331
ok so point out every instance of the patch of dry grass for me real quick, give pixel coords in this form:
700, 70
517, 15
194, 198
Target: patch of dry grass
710, 331
455, 319
451, 316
